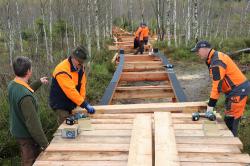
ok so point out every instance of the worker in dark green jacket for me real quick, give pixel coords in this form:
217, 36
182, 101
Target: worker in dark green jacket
25, 124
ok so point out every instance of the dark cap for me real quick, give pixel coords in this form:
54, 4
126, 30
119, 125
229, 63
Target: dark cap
201, 44
81, 53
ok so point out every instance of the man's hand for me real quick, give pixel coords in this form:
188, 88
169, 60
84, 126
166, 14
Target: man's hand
44, 80
88, 107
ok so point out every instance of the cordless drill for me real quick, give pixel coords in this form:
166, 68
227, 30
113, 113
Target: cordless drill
210, 115
72, 119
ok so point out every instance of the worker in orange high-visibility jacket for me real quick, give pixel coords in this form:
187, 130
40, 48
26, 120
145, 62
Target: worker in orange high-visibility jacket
68, 88
145, 33
226, 78
139, 39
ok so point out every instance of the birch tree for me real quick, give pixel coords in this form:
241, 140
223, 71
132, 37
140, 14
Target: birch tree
10, 33
208, 18
188, 30
97, 30
50, 30
196, 25
49, 57
19, 27
175, 24
168, 22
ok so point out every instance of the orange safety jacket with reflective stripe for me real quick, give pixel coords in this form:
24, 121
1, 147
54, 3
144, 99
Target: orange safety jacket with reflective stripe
68, 88
139, 34
224, 72
145, 32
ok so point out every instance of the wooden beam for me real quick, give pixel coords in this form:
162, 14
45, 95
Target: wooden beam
165, 145
140, 150
204, 148
142, 67
151, 87
79, 163
234, 141
212, 158
143, 94
84, 156
82, 147
155, 107
140, 58
144, 76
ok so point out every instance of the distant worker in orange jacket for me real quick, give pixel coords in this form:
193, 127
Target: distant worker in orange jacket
226, 78
139, 42
68, 88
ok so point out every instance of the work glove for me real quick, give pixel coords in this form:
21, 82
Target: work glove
88, 107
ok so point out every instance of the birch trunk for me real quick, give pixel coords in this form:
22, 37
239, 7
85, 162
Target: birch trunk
168, 22
88, 30
66, 36
97, 31
245, 16
228, 21
196, 24
50, 27
19, 27
73, 29
111, 18
158, 20
188, 31
10, 38
208, 18
175, 24
37, 37
130, 13
106, 20
49, 58
217, 28
141, 4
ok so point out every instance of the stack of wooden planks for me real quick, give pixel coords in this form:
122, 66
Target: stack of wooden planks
146, 139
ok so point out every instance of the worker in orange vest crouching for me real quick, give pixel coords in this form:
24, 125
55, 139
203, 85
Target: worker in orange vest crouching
139, 42
227, 78
68, 87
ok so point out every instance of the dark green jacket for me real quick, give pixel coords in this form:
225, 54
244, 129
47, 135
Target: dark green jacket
24, 118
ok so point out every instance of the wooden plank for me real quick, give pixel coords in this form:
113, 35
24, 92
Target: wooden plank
149, 108
140, 58
133, 68
92, 139
186, 132
140, 150
81, 147
80, 163
133, 88
204, 148
165, 146
84, 156
218, 158
144, 76
143, 94
210, 164
234, 141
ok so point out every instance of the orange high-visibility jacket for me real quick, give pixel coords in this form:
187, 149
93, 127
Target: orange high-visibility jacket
224, 72
138, 34
145, 32
68, 87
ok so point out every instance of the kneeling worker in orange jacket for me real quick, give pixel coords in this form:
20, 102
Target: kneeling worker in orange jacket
226, 78
68, 88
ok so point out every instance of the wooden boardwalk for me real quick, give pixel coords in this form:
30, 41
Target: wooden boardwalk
158, 132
